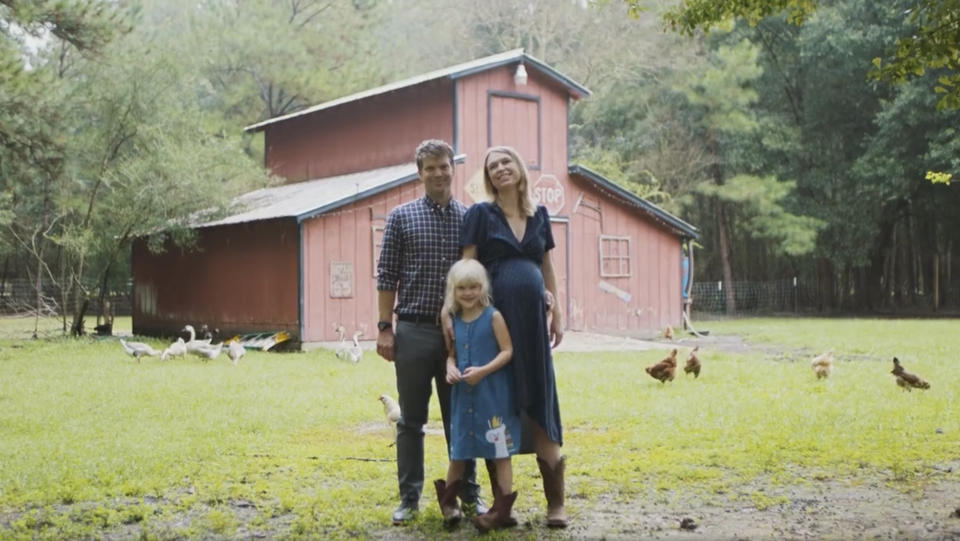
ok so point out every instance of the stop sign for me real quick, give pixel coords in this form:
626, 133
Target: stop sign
548, 191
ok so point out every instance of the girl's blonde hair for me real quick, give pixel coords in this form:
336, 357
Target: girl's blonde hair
527, 207
467, 271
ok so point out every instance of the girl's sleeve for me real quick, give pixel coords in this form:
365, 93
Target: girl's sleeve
473, 231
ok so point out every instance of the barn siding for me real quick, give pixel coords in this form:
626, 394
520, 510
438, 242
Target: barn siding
241, 278
361, 135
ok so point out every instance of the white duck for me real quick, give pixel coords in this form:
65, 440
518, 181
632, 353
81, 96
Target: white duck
138, 349
235, 350
176, 349
355, 351
193, 344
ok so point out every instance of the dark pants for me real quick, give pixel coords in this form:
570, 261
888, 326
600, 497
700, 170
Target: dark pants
420, 356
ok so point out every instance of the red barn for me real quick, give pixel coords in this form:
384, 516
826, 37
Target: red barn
301, 257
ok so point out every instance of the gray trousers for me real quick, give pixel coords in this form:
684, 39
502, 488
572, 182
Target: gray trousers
420, 357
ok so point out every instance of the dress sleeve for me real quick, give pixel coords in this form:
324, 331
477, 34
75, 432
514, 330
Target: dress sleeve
547, 229
474, 228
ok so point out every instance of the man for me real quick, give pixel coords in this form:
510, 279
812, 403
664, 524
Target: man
421, 240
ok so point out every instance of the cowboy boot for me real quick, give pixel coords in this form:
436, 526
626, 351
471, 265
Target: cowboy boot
498, 517
447, 498
553, 490
510, 520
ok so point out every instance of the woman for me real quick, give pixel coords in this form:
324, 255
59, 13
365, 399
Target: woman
512, 238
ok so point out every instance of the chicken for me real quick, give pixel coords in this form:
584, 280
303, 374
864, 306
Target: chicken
355, 352
693, 363
822, 365
235, 350
665, 369
176, 349
390, 408
342, 351
906, 380
138, 349
668, 333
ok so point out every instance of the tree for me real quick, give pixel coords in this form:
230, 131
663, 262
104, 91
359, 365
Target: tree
929, 40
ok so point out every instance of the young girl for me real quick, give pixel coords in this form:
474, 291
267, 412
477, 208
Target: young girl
484, 421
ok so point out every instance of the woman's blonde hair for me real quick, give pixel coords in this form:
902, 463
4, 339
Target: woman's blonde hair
527, 207
467, 271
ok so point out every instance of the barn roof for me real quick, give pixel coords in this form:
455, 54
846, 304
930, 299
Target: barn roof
304, 200
655, 212
452, 72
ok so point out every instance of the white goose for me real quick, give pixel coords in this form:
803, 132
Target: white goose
355, 351
176, 349
207, 352
235, 350
193, 344
138, 349
341, 351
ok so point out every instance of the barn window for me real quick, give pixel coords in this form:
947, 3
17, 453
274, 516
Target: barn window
614, 256
377, 244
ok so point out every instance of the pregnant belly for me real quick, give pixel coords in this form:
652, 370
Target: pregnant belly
518, 280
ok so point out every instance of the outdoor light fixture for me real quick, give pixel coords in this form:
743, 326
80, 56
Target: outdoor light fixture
520, 76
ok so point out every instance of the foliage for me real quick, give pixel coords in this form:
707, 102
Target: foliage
295, 445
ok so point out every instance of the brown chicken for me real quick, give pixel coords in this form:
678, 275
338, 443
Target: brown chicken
693, 363
665, 369
668, 333
906, 380
822, 364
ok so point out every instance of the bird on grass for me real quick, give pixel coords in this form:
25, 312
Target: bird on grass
668, 332
235, 350
822, 365
193, 344
906, 380
138, 349
208, 352
693, 363
390, 408
665, 369
355, 352
176, 349
342, 350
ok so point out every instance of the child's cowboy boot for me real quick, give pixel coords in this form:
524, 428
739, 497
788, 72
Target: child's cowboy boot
498, 517
447, 498
495, 490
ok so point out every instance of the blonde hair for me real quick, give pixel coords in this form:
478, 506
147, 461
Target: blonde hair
467, 271
527, 207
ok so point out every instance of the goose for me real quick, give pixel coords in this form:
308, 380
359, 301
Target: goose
207, 352
138, 349
235, 350
355, 351
176, 349
341, 351
193, 343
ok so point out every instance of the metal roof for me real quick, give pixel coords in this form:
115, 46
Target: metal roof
303, 200
452, 72
649, 208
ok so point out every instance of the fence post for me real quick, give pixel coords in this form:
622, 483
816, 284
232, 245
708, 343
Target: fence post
796, 300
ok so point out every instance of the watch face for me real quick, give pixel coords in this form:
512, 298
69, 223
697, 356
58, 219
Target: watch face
383, 325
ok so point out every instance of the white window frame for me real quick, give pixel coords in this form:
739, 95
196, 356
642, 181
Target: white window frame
376, 244
622, 260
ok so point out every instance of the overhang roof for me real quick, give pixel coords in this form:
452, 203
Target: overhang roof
304, 200
655, 212
452, 72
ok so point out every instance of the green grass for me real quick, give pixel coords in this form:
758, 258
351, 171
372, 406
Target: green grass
295, 445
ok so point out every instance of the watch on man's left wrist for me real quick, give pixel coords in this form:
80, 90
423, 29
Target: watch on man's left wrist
384, 325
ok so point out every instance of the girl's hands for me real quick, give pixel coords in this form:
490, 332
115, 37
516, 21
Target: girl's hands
473, 374
453, 373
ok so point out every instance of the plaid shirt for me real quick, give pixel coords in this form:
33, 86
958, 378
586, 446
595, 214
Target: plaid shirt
420, 242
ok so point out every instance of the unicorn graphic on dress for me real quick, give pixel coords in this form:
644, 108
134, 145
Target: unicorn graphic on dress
498, 436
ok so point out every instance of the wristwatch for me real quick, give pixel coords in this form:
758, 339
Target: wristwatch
384, 325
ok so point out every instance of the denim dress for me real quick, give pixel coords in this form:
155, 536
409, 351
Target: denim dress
484, 421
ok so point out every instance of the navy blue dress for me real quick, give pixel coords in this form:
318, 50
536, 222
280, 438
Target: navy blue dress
518, 293
484, 421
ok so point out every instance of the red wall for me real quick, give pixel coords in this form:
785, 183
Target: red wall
376, 132
240, 278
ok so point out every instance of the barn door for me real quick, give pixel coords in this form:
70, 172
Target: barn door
514, 120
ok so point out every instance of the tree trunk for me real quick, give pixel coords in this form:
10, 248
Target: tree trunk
731, 303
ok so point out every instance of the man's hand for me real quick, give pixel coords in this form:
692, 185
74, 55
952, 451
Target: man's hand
385, 344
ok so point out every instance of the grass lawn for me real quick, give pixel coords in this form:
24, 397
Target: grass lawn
94, 444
